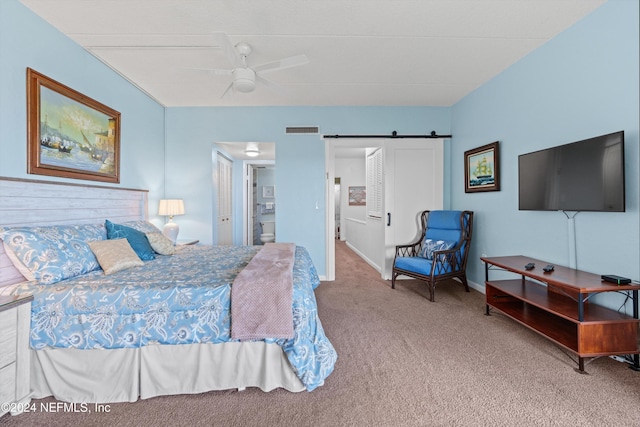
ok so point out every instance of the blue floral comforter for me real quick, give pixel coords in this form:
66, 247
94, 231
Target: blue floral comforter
178, 299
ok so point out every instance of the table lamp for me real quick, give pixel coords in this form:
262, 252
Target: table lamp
170, 208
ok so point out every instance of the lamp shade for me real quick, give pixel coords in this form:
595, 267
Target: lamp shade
171, 207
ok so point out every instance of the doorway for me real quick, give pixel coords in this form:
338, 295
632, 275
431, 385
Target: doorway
350, 150
259, 208
243, 156
402, 160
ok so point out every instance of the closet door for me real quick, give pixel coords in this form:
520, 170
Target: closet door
225, 218
413, 182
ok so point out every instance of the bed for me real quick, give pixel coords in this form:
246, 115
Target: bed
160, 328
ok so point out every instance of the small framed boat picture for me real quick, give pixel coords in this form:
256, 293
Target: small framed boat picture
481, 169
70, 135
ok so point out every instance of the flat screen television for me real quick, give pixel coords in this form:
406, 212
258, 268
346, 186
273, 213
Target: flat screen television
586, 175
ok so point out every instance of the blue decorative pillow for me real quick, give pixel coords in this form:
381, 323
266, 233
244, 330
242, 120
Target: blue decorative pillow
53, 253
430, 245
137, 239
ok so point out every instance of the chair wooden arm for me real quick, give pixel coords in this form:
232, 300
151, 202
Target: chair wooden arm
412, 249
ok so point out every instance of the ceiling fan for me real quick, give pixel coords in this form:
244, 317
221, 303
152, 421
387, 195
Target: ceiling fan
244, 77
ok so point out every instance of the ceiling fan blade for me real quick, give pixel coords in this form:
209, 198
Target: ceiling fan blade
228, 90
230, 51
271, 85
215, 71
292, 61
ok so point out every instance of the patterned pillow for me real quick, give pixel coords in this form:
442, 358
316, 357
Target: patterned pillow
142, 225
53, 253
137, 239
430, 245
115, 255
161, 243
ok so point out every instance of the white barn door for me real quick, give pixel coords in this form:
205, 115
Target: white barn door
225, 217
413, 182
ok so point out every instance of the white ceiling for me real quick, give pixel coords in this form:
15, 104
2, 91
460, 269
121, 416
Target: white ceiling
361, 52
236, 150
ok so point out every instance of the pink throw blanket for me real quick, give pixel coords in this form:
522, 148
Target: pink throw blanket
262, 295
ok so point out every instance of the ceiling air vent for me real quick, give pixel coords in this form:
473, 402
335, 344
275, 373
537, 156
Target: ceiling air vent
302, 129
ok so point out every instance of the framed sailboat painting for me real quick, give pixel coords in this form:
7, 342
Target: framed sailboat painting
70, 135
481, 169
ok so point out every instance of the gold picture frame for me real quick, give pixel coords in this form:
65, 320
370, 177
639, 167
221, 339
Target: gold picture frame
482, 169
70, 135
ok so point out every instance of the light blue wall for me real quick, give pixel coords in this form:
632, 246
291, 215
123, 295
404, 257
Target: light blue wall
300, 159
28, 41
581, 84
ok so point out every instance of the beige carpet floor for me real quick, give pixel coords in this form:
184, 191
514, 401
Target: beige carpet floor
405, 361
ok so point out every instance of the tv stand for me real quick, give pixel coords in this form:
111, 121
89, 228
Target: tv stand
556, 305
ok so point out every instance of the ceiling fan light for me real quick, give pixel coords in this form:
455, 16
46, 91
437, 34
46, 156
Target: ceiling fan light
243, 85
244, 79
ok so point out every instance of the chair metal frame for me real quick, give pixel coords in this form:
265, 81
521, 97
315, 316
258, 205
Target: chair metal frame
454, 259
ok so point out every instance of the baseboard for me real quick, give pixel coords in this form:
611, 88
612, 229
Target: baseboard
476, 286
361, 255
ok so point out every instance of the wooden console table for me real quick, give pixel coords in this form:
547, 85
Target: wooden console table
557, 306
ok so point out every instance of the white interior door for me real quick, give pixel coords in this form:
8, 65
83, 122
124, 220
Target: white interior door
225, 217
413, 182
250, 207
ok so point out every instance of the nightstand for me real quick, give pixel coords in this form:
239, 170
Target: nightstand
15, 319
186, 242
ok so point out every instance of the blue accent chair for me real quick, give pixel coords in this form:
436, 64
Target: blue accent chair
441, 252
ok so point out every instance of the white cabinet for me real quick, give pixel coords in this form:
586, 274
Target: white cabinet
15, 315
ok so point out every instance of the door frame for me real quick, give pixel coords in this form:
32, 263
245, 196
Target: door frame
330, 244
247, 197
330, 175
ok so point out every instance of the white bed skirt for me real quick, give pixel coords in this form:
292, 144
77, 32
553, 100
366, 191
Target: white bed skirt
124, 375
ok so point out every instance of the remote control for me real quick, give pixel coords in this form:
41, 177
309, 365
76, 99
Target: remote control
529, 266
548, 268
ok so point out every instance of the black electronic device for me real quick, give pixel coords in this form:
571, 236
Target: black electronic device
618, 280
529, 266
548, 268
586, 175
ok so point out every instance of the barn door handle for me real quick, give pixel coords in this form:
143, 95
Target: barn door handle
388, 219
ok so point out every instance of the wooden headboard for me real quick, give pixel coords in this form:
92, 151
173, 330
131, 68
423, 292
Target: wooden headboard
25, 202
